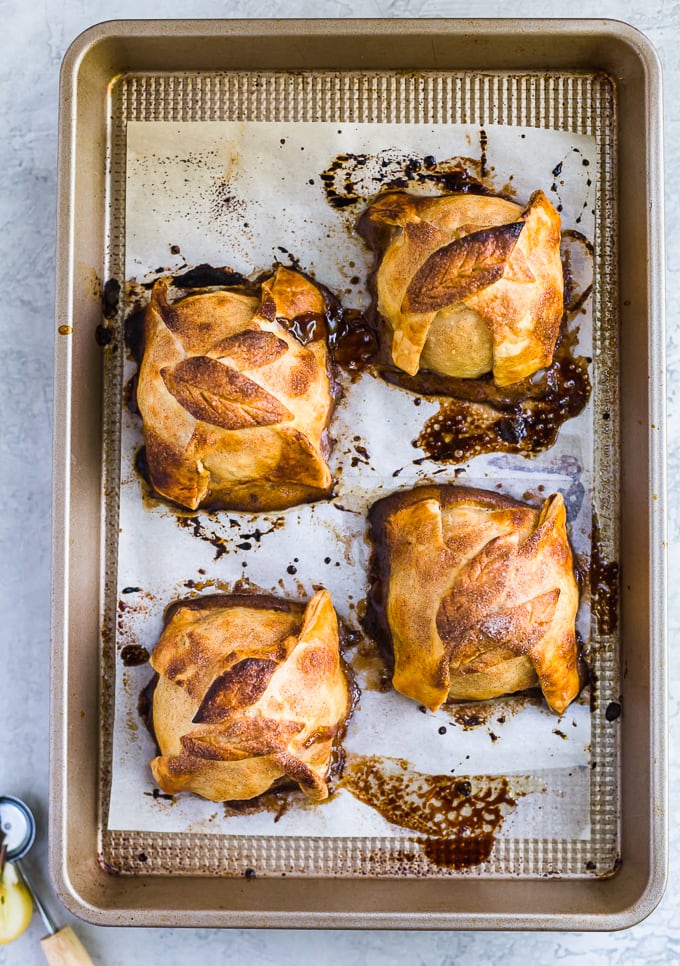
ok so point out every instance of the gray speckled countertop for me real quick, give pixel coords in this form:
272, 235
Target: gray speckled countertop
37, 36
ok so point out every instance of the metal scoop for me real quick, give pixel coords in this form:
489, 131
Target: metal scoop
61, 946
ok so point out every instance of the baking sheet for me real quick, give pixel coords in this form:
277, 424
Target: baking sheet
243, 194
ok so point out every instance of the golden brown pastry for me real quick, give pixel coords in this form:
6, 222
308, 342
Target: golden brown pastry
251, 692
467, 284
235, 407
476, 595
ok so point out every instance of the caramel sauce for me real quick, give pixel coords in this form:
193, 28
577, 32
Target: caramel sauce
110, 298
197, 528
277, 800
145, 707
374, 621
456, 819
206, 276
134, 335
353, 341
604, 585
133, 655
351, 179
481, 418
134, 343
371, 668
308, 327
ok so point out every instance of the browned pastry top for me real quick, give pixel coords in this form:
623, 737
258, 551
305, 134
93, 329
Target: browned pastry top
477, 593
251, 691
235, 408
467, 284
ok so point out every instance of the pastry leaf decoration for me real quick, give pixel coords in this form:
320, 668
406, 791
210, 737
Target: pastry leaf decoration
217, 394
462, 268
239, 687
251, 349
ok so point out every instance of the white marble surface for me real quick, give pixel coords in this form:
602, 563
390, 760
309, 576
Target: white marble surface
36, 36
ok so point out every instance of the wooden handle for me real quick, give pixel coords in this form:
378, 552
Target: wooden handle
65, 949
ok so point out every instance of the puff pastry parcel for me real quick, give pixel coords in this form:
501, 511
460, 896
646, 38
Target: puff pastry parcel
476, 594
467, 284
251, 692
235, 407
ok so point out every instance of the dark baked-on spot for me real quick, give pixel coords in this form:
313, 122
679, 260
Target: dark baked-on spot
613, 711
133, 655
206, 275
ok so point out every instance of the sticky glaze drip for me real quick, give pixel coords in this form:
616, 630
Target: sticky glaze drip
134, 655
351, 178
206, 276
134, 335
604, 585
525, 418
354, 342
370, 667
457, 819
277, 800
145, 707
308, 327
110, 298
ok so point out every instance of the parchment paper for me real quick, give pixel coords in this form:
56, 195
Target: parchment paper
244, 195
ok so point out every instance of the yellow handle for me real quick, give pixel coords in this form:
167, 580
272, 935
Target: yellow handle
65, 949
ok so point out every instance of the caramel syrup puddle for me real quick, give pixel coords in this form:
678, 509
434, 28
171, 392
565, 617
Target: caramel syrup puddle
467, 427
604, 585
456, 818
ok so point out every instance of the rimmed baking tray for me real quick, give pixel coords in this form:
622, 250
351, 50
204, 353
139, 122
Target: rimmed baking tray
544, 75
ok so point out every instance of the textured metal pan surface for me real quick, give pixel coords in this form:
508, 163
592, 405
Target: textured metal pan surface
582, 101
